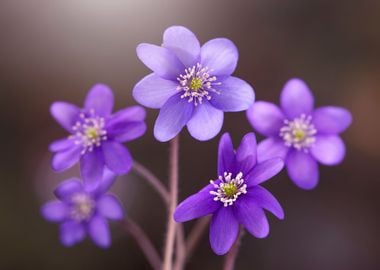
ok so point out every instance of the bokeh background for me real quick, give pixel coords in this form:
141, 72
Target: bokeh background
56, 50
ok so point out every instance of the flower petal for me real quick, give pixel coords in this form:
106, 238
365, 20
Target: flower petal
133, 130
173, 116
271, 148
266, 200
160, 60
220, 55
65, 114
296, 99
64, 160
99, 231
109, 206
130, 114
152, 91
92, 166
302, 169
265, 171
246, 154
235, 95
224, 229
328, 149
183, 43
226, 154
55, 211
266, 118
108, 179
100, 99
61, 145
117, 157
206, 122
64, 190
331, 120
71, 233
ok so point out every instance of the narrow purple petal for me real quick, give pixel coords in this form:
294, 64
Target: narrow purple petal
153, 91
132, 130
206, 122
173, 116
99, 231
92, 166
117, 157
224, 229
65, 114
55, 211
331, 120
220, 55
64, 190
246, 154
296, 99
235, 95
109, 207
160, 60
271, 148
64, 160
71, 233
266, 200
183, 43
302, 169
61, 145
226, 155
328, 149
130, 114
266, 118
108, 179
100, 99
265, 171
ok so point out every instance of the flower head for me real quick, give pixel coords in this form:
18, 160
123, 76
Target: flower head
96, 135
300, 134
235, 196
82, 211
191, 85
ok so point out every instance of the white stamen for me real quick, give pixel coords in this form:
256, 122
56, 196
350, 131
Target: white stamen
82, 207
229, 189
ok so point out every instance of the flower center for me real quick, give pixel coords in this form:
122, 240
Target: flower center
229, 188
197, 83
299, 133
82, 207
89, 131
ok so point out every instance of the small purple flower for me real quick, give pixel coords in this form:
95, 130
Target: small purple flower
299, 134
82, 211
236, 196
190, 84
96, 135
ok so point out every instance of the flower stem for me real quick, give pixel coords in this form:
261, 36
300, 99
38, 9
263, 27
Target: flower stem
173, 184
230, 258
180, 248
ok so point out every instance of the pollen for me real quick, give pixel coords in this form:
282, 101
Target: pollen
196, 84
229, 188
82, 207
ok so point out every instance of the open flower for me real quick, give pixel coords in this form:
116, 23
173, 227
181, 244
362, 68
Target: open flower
96, 135
300, 134
236, 196
190, 84
83, 211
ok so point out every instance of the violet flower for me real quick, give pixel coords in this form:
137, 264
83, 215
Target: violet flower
82, 211
190, 84
236, 196
300, 134
96, 135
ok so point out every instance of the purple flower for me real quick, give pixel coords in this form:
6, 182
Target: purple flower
236, 196
82, 211
300, 134
96, 135
190, 84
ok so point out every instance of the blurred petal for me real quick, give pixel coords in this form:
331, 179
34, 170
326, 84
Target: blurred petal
265, 171
328, 149
271, 148
108, 179
117, 157
266, 118
65, 114
64, 160
71, 233
55, 211
226, 154
132, 130
100, 99
61, 145
302, 169
108, 206
130, 114
246, 154
331, 120
99, 232
266, 200
92, 166
64, 190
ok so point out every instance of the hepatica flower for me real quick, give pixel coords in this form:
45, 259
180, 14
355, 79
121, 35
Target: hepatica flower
235, 196
96, 135
190, 84
300, 134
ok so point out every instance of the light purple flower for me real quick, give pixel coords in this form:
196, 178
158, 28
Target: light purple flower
236, 196
300, 134
96, 135
82, 211
190, 84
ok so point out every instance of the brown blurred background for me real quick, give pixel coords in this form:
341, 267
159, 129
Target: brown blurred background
56, 50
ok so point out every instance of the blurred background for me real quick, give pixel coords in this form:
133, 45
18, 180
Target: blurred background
56, 50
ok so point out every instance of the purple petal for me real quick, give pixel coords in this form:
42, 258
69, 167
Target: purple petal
302, 169
64, 160
266, 118
117, 157
296, 99
132, 130
265, 171
224, 229
246, 154
206, 122
108, 206
65, 114
61, 145
64, 190
235, 95
130, 114
100, 99
266, 200
160, 60
331, 120
271, 148
328, 149
226, 155
183, 43
55, 211
92, 166
99, 232
173, 116
220, 55
108, 179
152, 91
253, 218
71, 233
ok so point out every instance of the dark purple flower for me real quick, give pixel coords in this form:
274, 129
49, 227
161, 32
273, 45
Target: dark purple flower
190, 84
96, 135
236, 196
83, 211
300, 134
